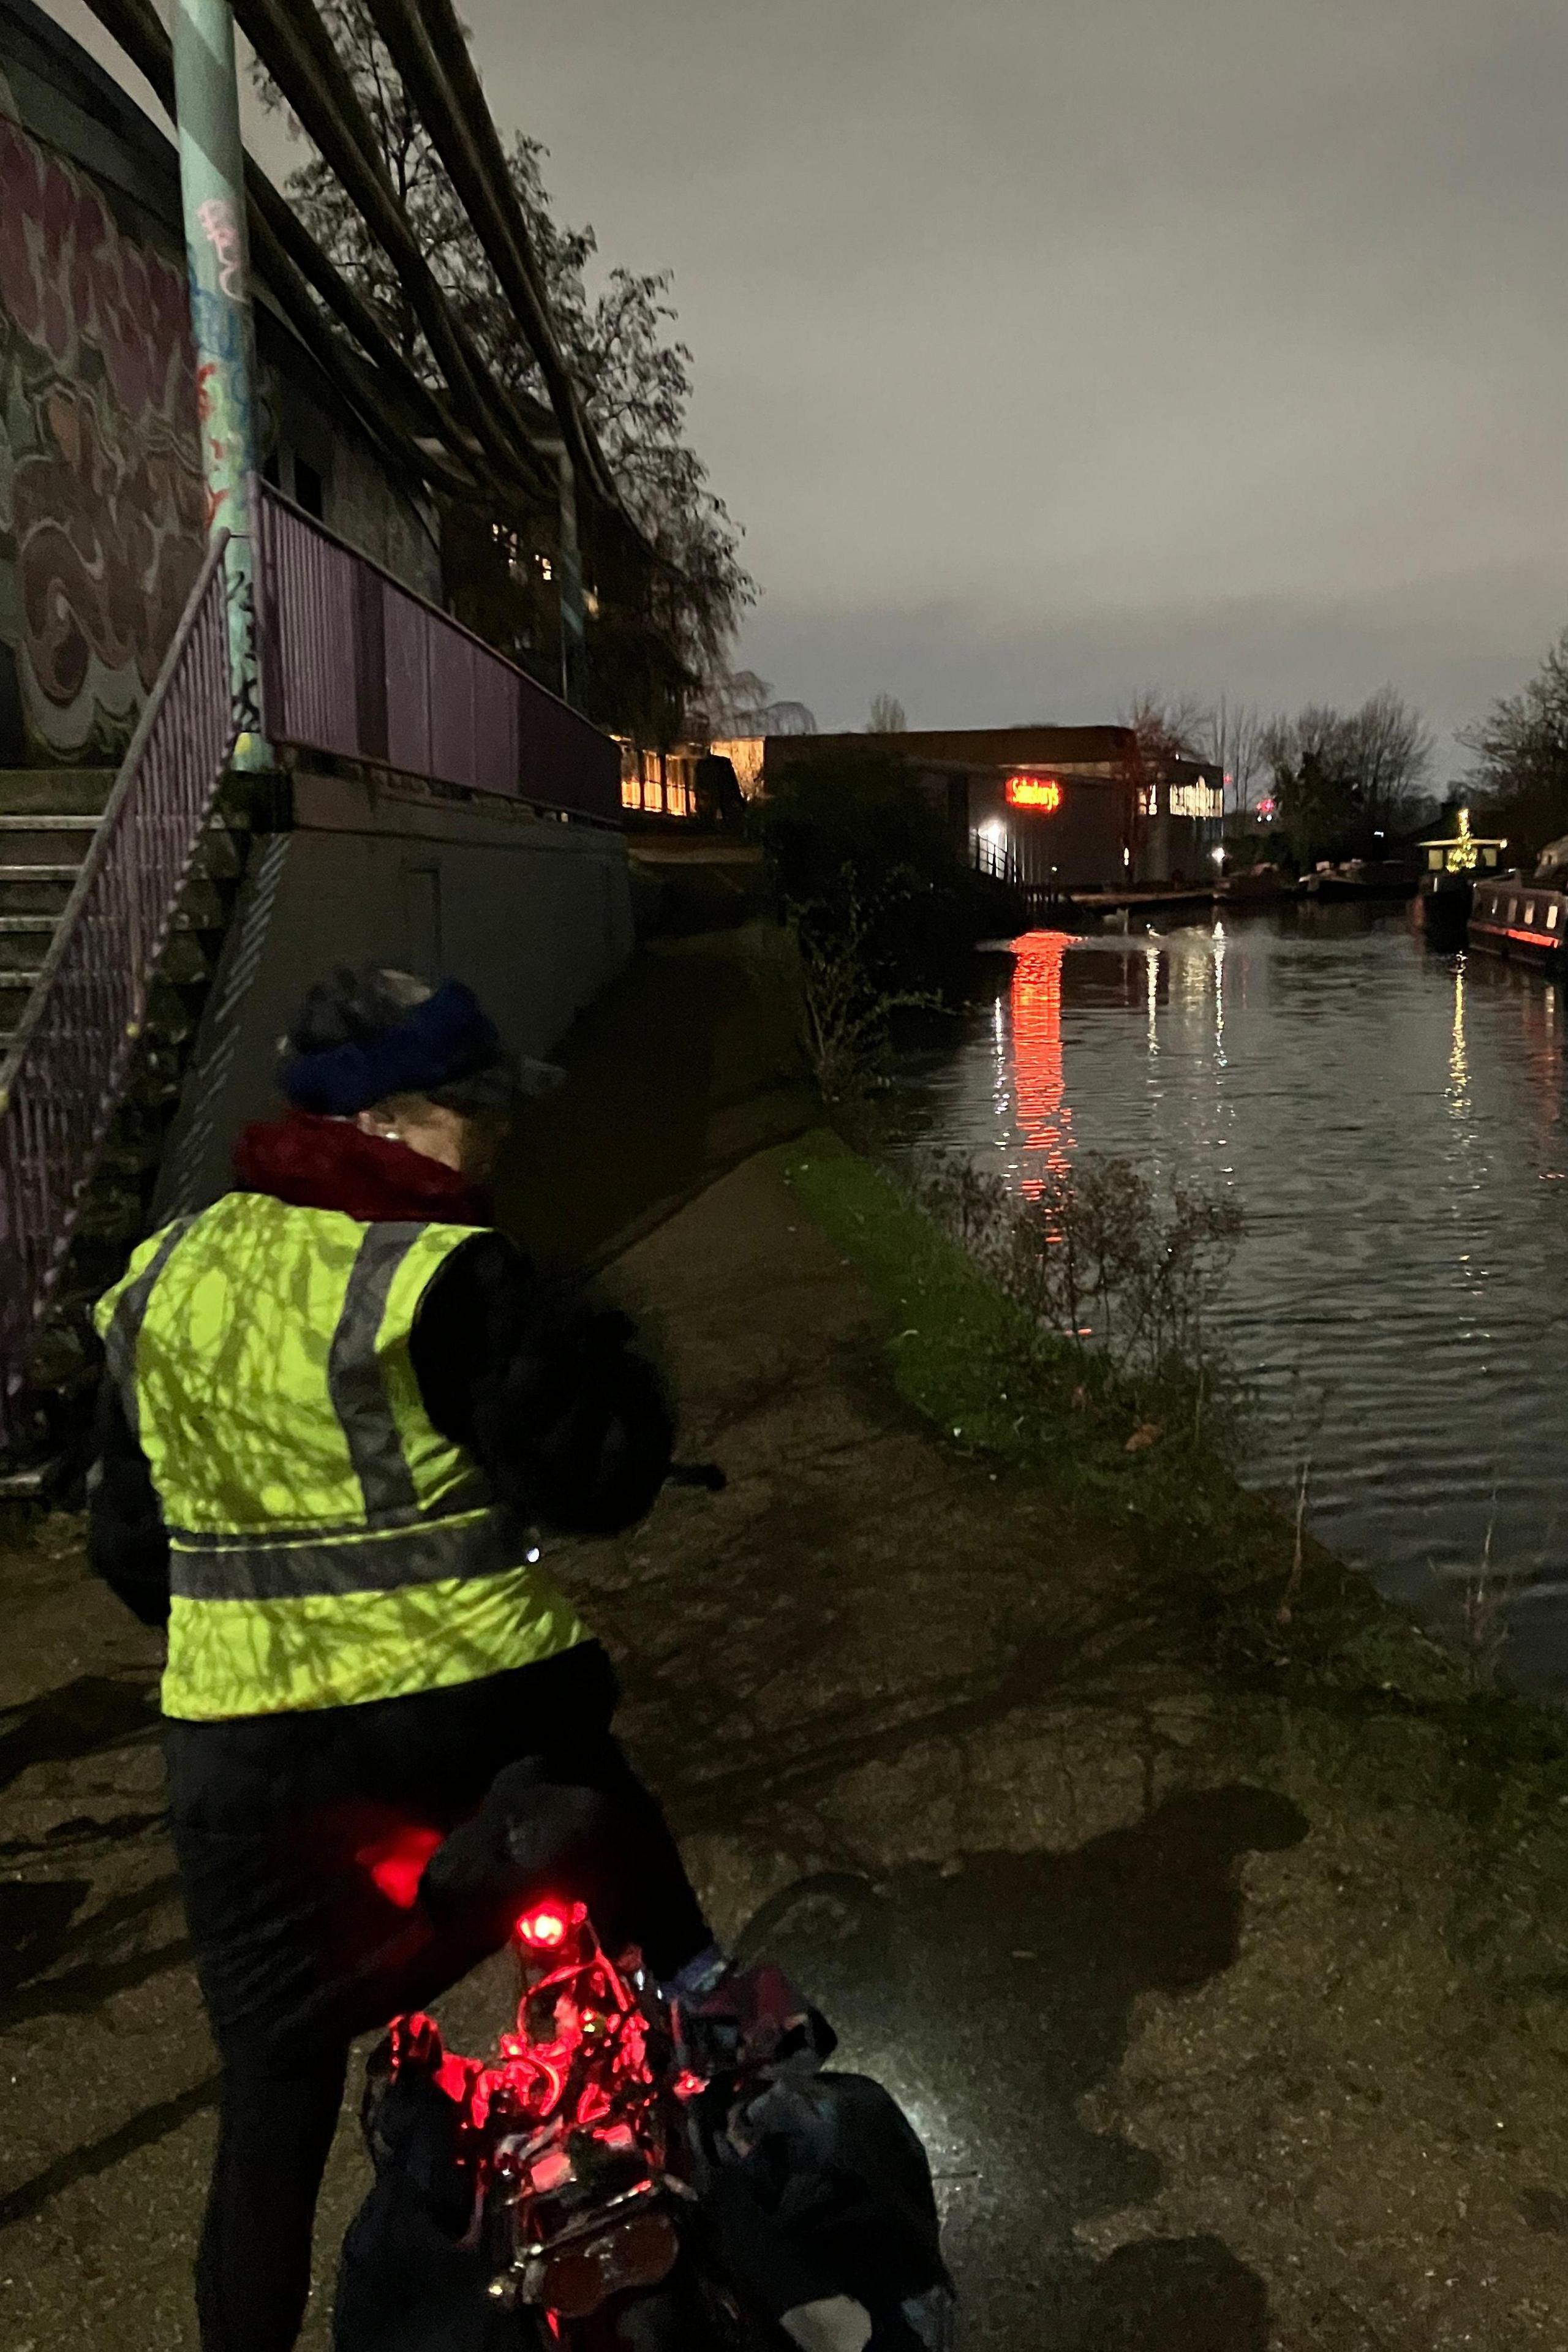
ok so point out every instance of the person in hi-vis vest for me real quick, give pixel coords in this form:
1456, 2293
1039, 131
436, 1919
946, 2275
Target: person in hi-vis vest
338, 1408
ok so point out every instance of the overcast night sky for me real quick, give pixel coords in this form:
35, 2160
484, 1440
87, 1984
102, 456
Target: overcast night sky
1047, 352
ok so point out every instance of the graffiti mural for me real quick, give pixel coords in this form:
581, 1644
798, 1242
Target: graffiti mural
102, 506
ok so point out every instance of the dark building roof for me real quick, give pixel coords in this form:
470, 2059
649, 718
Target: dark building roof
977, 747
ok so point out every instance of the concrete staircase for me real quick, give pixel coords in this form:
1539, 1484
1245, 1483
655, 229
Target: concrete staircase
48, 819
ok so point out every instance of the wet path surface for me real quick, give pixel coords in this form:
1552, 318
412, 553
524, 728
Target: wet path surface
1393, 1122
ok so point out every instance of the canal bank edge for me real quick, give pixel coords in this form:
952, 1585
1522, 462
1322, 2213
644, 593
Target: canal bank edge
1219, 1564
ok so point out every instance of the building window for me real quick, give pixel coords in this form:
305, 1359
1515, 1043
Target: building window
680, 794
653, 783
507, 540
1202, 799
631, 790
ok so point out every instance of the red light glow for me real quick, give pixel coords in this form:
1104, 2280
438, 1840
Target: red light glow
1038, 1061
1035, 793
546, 1929
396, 1863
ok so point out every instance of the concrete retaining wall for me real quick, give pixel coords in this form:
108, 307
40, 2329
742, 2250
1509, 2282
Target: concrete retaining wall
535, 916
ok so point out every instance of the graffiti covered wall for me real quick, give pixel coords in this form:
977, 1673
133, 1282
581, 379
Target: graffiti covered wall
101, 521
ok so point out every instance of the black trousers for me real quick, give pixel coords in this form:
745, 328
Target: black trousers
300, 1946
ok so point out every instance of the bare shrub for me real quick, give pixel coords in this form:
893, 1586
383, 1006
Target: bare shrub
844, 1008
1484, 1608
1096, 1257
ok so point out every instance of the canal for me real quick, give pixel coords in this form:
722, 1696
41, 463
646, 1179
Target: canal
1392, 1122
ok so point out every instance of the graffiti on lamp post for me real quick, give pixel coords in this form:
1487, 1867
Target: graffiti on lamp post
212, 167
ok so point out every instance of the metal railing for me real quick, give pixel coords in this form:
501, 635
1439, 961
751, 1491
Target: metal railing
67, 1064
992, 859
356, 666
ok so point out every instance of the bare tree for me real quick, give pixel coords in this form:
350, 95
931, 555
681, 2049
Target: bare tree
886, 716
1168, 726
1233, 740
1345, 779
1521, 748
1393, 747
738, 704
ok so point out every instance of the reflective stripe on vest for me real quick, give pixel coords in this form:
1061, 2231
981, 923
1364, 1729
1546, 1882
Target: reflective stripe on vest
328, 1544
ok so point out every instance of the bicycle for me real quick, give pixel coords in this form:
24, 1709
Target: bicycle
603, 2180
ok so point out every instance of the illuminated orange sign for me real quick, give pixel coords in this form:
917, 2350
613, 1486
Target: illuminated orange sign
1034, 791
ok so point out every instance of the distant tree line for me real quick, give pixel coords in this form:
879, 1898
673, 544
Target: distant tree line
1342, 783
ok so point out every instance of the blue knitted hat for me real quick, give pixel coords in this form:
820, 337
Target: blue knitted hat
364, 1035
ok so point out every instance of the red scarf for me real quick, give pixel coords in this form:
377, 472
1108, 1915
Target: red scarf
329, 1163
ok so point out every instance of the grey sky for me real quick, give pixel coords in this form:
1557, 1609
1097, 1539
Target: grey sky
1049, 352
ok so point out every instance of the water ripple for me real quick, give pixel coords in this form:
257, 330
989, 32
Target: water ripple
1393, 1122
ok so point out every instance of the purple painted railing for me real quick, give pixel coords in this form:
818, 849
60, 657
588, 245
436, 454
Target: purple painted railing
67, 1064
356, 665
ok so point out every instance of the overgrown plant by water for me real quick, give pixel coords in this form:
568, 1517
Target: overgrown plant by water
1100, 1259
820, 966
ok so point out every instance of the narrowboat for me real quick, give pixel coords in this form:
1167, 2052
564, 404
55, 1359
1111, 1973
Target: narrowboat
1513, 914
1456, 867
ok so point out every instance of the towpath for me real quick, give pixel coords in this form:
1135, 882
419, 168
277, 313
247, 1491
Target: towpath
1220, 2041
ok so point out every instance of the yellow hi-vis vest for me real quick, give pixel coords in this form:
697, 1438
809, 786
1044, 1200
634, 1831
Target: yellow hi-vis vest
327, 1544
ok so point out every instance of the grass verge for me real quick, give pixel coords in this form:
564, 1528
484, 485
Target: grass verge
1217, 1560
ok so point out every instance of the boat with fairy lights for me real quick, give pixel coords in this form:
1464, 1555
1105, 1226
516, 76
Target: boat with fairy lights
1455, 864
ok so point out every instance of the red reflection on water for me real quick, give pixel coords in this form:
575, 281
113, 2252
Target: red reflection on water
1039, 1074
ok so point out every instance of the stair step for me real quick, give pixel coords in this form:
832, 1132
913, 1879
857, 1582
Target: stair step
46, 840
16, 987
55, 792
36, 889
23, 940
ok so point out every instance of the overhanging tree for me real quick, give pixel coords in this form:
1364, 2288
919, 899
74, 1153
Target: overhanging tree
632, 375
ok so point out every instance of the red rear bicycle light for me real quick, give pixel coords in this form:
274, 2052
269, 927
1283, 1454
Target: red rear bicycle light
546, 1929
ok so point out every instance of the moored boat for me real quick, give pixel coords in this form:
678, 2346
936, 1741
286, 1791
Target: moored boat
1513, 914
1361, 879
1443, 907
1253, 886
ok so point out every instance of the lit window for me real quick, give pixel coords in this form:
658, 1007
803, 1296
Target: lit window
1529, 913
1513, 910
1551, 919
1201, 799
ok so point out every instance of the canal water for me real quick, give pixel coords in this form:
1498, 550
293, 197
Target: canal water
1392, 1122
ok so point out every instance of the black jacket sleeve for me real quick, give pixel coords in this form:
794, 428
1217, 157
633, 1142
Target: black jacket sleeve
571, 1425
127, 1543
